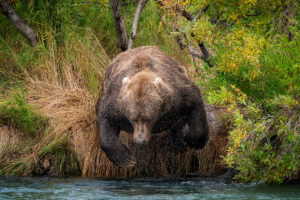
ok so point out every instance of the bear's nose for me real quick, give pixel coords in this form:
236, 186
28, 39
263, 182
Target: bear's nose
139, 137
139, 140
141, 133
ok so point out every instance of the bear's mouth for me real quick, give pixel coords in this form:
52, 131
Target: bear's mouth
142, 132
139, 141
141, 138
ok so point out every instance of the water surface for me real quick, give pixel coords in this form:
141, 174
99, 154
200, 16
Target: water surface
88, 188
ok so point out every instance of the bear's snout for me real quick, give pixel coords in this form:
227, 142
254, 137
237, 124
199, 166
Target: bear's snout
139, 139
141, 133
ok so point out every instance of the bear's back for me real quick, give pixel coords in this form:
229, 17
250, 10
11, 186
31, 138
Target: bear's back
150, 58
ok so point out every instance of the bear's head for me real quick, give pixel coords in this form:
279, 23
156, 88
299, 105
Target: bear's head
143, 99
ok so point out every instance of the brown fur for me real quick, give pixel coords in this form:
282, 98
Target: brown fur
146, 92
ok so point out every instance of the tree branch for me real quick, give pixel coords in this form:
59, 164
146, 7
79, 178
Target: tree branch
137, 14
288, 14
19, 23
205, 53
182, 46
115, 6
177, 9
199, 15
188, 16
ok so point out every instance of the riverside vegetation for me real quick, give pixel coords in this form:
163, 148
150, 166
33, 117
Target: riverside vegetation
48, 92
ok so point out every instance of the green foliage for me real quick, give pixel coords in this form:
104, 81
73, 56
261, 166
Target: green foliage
256, 53
274, 70
17, 113
262, 147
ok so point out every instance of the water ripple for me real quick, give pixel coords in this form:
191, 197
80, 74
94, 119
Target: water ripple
83, 188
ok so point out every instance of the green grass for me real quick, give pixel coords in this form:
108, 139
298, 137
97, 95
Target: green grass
58, 145
18, 114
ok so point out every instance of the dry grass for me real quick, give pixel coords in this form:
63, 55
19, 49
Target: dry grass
4, 135
62, 89
8, 135
11, 146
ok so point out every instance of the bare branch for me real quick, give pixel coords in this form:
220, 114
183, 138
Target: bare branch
199, 15
19, 23
182, 45
192, 50
205, 54
223, 22
177, 9
115, 6
138, 11
289, 13
204, 51
188, 16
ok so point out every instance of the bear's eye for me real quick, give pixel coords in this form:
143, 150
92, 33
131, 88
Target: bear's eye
146, 120
134, 120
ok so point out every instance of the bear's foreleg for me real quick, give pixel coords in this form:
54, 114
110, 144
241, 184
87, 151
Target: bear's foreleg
110, 143
198, 127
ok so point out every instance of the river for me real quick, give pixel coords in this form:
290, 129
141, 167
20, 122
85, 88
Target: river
92, 188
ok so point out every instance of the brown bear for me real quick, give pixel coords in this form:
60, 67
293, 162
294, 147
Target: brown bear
145, 91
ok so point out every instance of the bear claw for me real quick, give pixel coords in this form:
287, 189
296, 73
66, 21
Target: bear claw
129, 163
125, 162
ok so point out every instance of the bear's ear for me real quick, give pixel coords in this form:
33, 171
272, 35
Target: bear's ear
125, 81
158, 81
162, 87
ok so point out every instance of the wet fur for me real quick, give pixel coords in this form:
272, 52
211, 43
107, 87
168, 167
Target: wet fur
183, 115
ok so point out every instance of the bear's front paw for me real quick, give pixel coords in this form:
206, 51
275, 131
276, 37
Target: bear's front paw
124, 160
120, 155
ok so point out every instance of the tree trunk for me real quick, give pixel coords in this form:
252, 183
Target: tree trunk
115, 6
138, 11
19, 23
